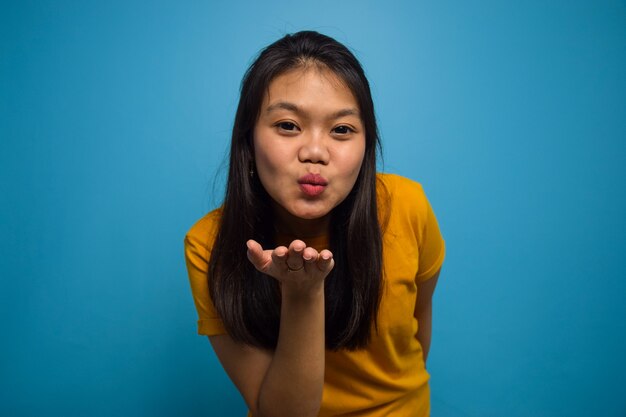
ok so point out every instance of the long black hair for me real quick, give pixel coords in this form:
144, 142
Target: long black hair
248, 301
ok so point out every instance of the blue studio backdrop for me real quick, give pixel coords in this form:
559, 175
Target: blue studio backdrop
114, 126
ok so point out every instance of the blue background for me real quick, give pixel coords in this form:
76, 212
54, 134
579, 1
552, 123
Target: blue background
114, 124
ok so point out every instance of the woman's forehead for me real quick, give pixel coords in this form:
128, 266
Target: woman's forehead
299, 89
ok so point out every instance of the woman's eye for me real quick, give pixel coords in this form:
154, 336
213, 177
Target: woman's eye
342, 130
287, 126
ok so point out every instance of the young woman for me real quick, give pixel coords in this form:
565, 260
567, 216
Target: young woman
314, 279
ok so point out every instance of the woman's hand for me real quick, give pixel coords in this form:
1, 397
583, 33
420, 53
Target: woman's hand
299, 356
298, 268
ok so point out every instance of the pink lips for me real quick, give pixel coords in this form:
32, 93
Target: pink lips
312, 184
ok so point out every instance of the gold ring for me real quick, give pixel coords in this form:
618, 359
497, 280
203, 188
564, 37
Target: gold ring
289, 269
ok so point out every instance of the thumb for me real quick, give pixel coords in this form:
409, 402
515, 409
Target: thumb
255, 254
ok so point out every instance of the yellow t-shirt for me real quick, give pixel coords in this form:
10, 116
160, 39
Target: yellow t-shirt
388, 377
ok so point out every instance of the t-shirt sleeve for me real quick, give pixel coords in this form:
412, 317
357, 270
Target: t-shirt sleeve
432, 247
197, 259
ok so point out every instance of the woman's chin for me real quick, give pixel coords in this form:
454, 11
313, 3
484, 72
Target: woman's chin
303, 212
308, 211
317, 215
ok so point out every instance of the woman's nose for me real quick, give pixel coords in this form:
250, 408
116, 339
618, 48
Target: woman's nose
314, 148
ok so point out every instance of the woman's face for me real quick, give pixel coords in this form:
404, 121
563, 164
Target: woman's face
309, 144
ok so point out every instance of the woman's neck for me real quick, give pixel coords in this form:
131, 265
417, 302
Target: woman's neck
287, 224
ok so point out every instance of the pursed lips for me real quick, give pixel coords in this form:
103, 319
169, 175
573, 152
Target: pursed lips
314, 179
312, 184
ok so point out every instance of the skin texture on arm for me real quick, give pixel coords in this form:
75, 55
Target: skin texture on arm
288, 381
424, 311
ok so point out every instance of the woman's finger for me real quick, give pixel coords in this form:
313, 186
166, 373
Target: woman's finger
279, 258
325, 261
256, 255
254, 251
310, 256
294, 258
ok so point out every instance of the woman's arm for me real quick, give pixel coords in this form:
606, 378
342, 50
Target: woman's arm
288, 381
424, 311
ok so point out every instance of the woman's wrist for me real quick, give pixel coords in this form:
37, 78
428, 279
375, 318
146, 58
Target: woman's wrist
302, 292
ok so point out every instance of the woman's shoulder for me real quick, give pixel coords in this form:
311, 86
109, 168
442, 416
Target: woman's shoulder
205, 229
401, 188
402, 202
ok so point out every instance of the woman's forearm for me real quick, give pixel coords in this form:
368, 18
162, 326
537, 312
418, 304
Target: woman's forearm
295, 378
424, 317
424, 311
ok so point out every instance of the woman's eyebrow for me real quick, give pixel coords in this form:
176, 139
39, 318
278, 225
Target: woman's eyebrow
285, 105
345, 112
282, 105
